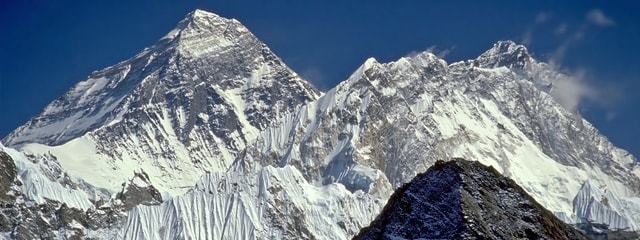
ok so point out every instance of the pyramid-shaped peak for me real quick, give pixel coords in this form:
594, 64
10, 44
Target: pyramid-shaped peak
202, 13
205, 30
201, 17
208, 59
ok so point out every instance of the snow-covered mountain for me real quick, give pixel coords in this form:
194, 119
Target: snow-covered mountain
208, 134
178, 109
462, 199
390, 121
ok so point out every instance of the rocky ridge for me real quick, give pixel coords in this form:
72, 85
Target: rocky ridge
462, 199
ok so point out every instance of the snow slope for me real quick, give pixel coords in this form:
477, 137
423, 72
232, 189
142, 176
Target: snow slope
42, 179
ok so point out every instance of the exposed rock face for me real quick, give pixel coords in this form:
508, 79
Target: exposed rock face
139, 191
462, 199
7, 174
54, 220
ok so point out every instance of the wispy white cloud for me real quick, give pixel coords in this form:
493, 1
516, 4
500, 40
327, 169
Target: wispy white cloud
444, 53
575, 90
440, 53
580, 90
413, 53
557, 56
542, 17
597, 17
561, 29
527, 37
315, 76
571, 90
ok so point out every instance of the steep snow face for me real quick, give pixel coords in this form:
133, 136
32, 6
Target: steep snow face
255, 203
183, 106
465, 200
39, 200
598, 204
398, 118
42, 179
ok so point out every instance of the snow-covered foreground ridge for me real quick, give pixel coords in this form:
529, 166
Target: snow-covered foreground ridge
270, 203
211, 106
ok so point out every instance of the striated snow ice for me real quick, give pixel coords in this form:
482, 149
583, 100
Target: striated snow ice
598, 204
269, 203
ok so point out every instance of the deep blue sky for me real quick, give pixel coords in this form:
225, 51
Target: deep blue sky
48, 46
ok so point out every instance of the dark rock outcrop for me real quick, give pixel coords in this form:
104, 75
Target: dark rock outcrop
462, 199
7, 174
139, 191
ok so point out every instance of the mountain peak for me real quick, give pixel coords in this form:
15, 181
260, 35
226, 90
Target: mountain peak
199, 15
202, 13
465, 199
507, 47
505, 54
202, 16
200, 24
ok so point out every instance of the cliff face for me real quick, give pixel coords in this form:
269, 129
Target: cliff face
462, 199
